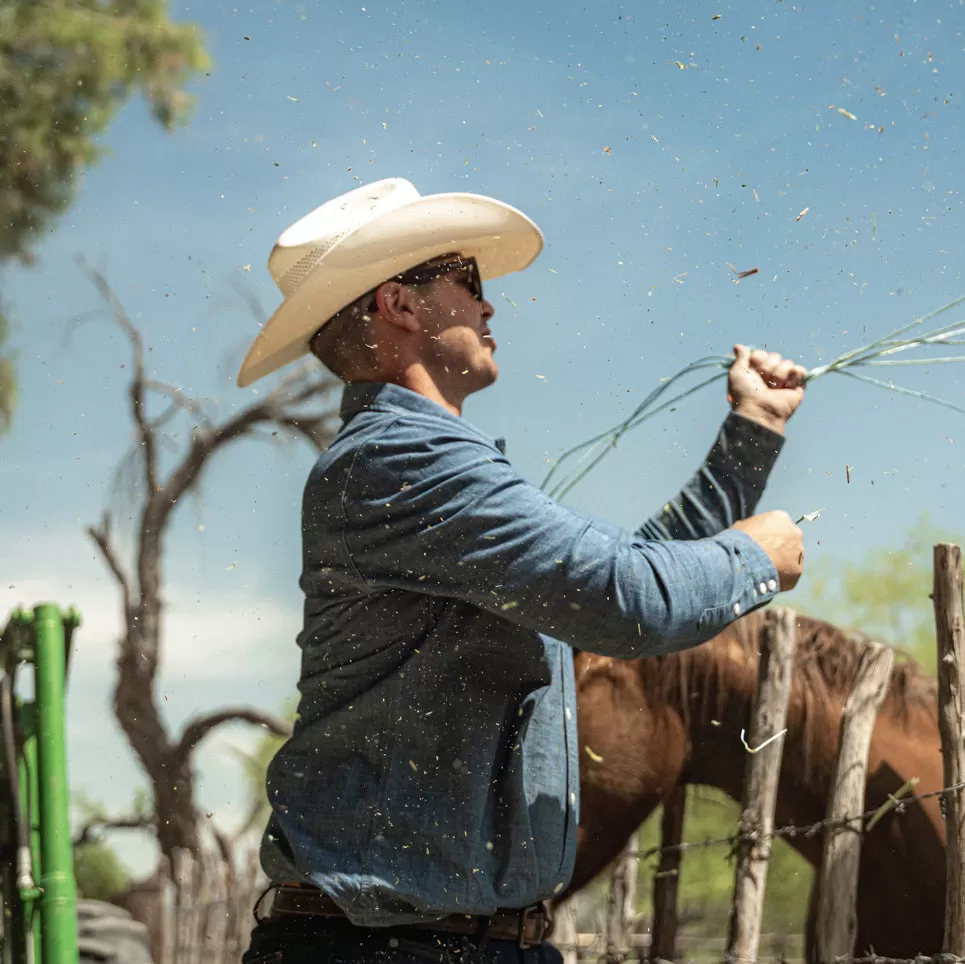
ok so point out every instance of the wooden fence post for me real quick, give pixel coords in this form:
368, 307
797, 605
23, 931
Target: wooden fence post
950, 636
165, 898
766, 746
837, 884
565, 936
620, 903
667, 878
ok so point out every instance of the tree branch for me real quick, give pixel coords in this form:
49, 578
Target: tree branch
145, 821
299, 406
197, 729
138, 381
223, 843
314, 429
102, 538
179, 399
280, 407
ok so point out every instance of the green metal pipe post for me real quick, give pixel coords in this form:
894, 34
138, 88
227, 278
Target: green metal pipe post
30, 791
58, 905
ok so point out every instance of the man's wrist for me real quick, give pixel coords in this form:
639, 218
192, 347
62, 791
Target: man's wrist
756, 414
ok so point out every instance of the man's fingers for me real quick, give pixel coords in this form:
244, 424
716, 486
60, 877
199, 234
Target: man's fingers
767, 365
781, 373
790, 375
759, 359
775, 370
800, 375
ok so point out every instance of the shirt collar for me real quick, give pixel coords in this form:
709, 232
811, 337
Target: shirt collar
358, 396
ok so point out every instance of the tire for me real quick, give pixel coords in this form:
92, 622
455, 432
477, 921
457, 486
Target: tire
107, 934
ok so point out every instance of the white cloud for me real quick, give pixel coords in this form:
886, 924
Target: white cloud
206, 635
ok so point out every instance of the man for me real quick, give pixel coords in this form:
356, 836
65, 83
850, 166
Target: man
426, 804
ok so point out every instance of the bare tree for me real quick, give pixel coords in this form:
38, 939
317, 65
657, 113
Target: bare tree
301, 406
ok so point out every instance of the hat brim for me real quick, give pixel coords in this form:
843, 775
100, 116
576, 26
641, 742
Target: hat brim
500, 238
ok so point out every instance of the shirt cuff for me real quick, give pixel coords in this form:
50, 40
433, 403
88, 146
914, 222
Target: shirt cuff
757, 581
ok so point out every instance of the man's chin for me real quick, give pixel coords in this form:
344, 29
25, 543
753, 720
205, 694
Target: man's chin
484, 376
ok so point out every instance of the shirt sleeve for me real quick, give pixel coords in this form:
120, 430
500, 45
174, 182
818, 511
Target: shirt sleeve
448, 515
726, 488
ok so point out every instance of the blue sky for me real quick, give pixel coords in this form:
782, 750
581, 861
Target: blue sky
654, 144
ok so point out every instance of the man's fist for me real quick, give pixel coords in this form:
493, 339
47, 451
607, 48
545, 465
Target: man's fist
782, 540
764, 387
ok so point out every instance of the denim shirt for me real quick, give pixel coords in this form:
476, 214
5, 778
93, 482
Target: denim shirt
433, 766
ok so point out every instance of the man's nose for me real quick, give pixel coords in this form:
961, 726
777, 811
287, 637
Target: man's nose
487, 310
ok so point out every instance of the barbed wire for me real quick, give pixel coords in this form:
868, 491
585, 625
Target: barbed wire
896, 802
596, 953
920, 959
596, 947
635, 946
861, 823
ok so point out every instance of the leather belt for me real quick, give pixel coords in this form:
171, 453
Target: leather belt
528, 927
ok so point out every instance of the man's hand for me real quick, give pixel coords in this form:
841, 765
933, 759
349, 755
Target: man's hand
781, 539
764, 387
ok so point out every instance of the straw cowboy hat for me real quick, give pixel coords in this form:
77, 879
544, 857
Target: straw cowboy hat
354, 242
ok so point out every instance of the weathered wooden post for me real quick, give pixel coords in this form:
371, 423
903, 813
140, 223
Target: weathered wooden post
620, 903
663, 939
766, 747
950, 636
838, 877
166, 913
565, 936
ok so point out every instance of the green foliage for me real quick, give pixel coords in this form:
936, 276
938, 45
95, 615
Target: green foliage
707, 873
97, 868
98, 871
886, 594
66, 68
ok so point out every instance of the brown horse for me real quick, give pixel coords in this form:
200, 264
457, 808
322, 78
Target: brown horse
646, 725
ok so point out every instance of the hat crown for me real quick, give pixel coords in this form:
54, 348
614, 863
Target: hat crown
302, 246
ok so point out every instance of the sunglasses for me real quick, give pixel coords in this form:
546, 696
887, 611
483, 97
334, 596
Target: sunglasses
422, 274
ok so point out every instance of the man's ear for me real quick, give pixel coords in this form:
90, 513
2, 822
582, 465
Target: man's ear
397, 305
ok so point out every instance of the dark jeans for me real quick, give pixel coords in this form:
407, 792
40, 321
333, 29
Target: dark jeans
331, 941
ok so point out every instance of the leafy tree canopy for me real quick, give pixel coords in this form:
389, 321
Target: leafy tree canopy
99, 872
66, 69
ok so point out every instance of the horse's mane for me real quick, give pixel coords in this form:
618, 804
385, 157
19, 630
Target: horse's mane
826, 660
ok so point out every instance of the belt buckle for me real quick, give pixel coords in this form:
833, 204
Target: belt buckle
528, 914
